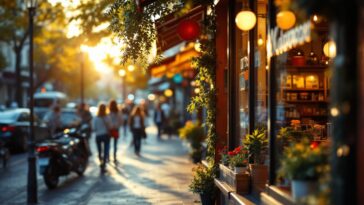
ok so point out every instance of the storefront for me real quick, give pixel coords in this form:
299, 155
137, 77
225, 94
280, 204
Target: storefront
295, 70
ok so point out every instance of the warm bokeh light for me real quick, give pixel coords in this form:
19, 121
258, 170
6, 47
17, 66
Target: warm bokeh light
131, 68
151, 97
168, 93
122, 72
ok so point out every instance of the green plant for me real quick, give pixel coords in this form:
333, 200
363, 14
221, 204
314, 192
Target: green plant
238, 157
193, 132
304, 160
203, 180
256, 143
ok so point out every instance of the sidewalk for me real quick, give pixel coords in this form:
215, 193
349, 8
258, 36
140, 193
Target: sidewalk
160, 176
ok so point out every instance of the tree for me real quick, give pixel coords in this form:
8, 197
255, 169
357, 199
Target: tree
14, 30
93, 20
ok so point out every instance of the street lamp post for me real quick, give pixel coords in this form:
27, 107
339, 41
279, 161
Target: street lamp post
122, 74
82, 80
32, 172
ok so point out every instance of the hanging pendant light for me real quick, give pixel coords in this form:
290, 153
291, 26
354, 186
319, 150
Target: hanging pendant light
260, 40
285, 20
245, 20
188, 29
330, 49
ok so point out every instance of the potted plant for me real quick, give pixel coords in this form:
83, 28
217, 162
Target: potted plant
203, 184
194, 134
238, 160
257, 144
304, 163
233, 169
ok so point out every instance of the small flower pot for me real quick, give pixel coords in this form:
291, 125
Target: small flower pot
259, 177
303, 188
239, 170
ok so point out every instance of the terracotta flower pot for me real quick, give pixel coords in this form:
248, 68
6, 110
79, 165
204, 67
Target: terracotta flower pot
259, 176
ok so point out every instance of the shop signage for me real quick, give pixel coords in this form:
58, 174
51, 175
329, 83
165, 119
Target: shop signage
282, 42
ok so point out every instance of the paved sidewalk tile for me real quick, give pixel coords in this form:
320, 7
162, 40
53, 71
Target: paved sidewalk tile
160, 176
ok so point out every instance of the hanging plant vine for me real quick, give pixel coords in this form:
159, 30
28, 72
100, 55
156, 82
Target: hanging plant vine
205, 64
136, 29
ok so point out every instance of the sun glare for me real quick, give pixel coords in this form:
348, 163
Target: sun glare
99, 53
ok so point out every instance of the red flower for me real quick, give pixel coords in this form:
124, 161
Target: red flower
231, 153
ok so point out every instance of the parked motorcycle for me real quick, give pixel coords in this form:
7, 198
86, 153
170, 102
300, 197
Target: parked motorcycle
4, 153
66, 152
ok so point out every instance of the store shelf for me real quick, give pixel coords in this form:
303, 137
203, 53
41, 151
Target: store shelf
314, 115
307, 67
304, 89
305, 101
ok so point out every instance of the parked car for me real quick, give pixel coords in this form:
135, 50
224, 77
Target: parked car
43, 102
69, 118
14, 128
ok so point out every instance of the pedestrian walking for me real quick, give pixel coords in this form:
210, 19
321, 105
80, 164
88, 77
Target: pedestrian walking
115, 120
54, 120
100, 127
159, 119
86, 118
86, 122
136, 123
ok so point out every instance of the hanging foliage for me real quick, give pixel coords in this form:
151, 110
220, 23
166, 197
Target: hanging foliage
205, 65
137, 29
137, 32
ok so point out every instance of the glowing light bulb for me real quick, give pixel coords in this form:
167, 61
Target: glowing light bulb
245, 20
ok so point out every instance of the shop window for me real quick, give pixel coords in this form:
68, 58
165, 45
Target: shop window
302, 76
243, 69
261, 86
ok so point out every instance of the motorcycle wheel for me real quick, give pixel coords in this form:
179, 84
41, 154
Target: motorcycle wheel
82, 165
51, 179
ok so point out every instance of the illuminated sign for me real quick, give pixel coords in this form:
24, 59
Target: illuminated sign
283, 41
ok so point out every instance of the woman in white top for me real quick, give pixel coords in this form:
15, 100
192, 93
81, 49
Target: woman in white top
136, 123
116, 121
100, 127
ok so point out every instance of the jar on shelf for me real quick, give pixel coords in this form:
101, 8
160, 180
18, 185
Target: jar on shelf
298, 58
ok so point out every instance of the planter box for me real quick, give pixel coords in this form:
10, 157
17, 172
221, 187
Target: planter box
239, 182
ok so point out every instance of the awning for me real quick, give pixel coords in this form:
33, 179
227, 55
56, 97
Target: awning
167, 36
179, 63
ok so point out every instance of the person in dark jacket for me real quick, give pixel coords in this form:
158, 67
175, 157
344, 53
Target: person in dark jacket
137, 127
159, 119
